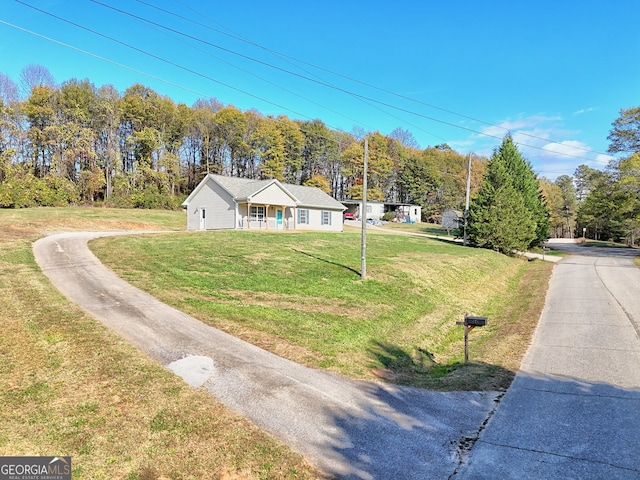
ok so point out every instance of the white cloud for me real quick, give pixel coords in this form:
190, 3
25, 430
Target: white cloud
523, 129
544, 140
567, 147
603, 159
584, 110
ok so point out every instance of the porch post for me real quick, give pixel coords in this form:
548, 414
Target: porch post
248, 215
266, 214
295, 216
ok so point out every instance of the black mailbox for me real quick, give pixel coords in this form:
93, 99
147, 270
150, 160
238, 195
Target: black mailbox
475, 321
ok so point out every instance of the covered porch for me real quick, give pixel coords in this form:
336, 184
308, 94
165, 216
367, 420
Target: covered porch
262, 216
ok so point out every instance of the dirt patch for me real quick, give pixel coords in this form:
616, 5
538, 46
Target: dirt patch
12, 232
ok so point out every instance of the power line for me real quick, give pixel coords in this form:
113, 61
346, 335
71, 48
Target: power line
430, 169
193, 71
113, 62
185, 68
340, 89
243, 91
346, 77
157, 57
287, 58
154, 77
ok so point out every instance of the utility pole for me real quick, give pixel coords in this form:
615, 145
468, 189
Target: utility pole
466, 204
363, 212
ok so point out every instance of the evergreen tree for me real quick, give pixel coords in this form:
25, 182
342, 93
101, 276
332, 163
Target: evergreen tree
509, 212
524, 180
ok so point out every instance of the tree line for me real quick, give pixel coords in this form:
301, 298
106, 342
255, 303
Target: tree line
513, 210
75, 143
602, 204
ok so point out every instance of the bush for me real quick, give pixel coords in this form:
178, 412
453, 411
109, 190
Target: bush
147, 199
21, 189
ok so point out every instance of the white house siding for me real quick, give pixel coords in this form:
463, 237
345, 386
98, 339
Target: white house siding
273, 195
315, 221
226, 202
220, 208
375, 210
414, 212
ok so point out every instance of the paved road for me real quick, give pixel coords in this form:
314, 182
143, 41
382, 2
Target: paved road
573, 411
349, 429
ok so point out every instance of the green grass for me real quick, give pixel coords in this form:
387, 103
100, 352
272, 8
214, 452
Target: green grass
602, 243
549, 251
69, 386
426, 228
300, 295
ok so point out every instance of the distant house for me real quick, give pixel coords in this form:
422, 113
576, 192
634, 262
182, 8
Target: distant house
452, 219
402, 212
220, 202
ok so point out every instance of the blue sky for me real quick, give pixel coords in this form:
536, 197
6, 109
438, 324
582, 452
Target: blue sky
553, 73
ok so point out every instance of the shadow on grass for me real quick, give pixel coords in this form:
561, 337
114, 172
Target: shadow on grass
418, 367
327, 261
598, 243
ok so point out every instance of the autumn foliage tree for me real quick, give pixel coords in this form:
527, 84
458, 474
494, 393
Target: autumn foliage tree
75, 143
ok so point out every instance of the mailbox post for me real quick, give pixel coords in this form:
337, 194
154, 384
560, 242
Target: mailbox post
469, 324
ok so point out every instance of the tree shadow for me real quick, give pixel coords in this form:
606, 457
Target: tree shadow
394, 432
326, 261
544, 425
418, 367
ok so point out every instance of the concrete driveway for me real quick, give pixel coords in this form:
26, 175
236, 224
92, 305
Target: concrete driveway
349, 429
573, 411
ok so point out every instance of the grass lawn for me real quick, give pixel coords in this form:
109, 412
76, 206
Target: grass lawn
71, 387
602, 243
300, 296
427, 228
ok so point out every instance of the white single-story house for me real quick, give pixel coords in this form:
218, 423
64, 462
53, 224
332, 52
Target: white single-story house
403, 212
220, 202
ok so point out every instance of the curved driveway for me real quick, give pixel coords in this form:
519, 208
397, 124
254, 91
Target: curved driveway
349, 429
573, 410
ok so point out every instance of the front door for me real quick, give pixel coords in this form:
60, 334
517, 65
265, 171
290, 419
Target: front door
278, 219
203, 221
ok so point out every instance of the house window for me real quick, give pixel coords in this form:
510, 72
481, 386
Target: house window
257, 213
326, 218
303, 215
369, 209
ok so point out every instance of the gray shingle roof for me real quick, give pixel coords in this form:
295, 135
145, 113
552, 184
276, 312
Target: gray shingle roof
241, 188
313, 197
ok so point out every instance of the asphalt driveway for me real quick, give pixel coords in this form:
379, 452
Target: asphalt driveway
349, 429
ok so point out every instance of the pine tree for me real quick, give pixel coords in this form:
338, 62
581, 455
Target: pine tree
524, 180
509, 212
